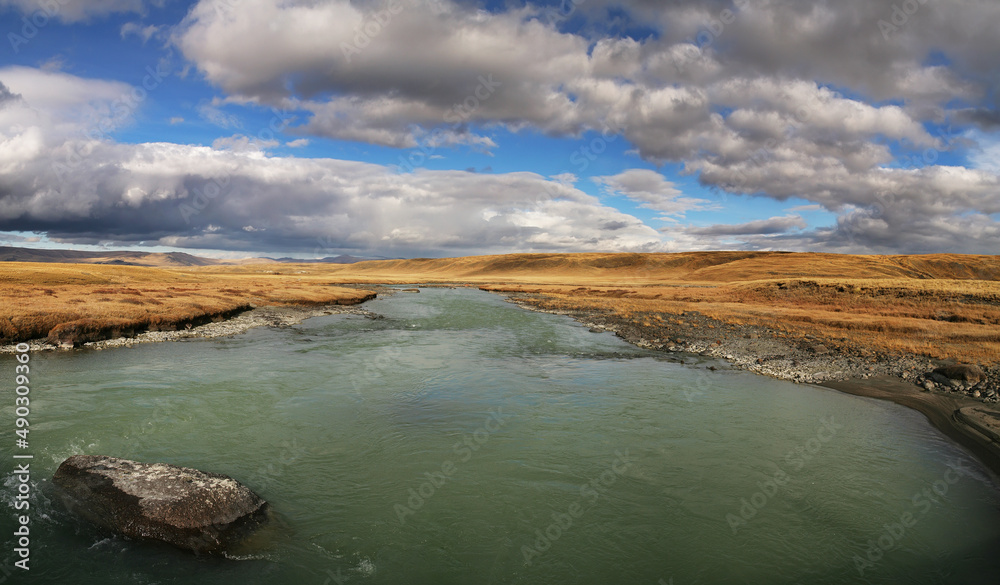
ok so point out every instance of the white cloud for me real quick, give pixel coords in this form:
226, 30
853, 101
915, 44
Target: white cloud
216, 116
789, 100
650, 190
234, 196
73, 10
143, 32
764, 227
243, 143
986, 156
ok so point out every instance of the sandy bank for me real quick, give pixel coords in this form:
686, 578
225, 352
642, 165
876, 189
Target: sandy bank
970, 428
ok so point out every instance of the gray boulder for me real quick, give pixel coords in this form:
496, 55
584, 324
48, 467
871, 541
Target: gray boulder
191, 509
944, 381
961, 373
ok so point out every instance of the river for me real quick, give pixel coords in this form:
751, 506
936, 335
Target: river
460, 439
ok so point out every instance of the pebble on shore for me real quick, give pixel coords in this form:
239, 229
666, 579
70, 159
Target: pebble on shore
283, 316
772, 353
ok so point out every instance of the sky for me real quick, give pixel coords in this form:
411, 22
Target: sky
435, 128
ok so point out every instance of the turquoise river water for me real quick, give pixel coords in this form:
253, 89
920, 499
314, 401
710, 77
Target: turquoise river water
463, 440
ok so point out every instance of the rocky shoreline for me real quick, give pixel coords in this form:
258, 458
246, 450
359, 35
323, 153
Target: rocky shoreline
773, 353
950, 395
271, 316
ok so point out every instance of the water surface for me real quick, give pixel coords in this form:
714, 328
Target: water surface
460, 439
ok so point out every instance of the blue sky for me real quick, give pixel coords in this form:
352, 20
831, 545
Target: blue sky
464, 128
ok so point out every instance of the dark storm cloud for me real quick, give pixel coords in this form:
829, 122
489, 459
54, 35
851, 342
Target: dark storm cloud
6, 95
776, 98
774, 225
237, 197
986, 118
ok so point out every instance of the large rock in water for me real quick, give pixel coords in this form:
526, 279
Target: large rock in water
191, 509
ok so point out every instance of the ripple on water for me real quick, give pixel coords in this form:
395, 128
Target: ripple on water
336, 439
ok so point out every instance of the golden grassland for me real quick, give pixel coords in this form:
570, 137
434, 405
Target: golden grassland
942, 319
113, 300
944, 305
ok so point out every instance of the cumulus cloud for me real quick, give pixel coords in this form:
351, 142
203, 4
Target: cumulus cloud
773, 225
76, 10
390, 70
6, 95
769, 98
987, 155
219, 117
233, 196
651, 190
778, 98
985, 118
143, 32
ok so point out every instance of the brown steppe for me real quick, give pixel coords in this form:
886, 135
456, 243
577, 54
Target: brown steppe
942, 306
92, 301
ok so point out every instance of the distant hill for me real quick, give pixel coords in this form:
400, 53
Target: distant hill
121, 258
157, 259
714, 267
114, 258
709, 267
342, 259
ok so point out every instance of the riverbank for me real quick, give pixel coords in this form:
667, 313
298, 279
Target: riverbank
763, 350
276, 316
74, 304
961, 419
905, 379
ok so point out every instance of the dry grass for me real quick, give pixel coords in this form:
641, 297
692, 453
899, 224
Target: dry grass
100, 301
944, 305
941, 318
646, 269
